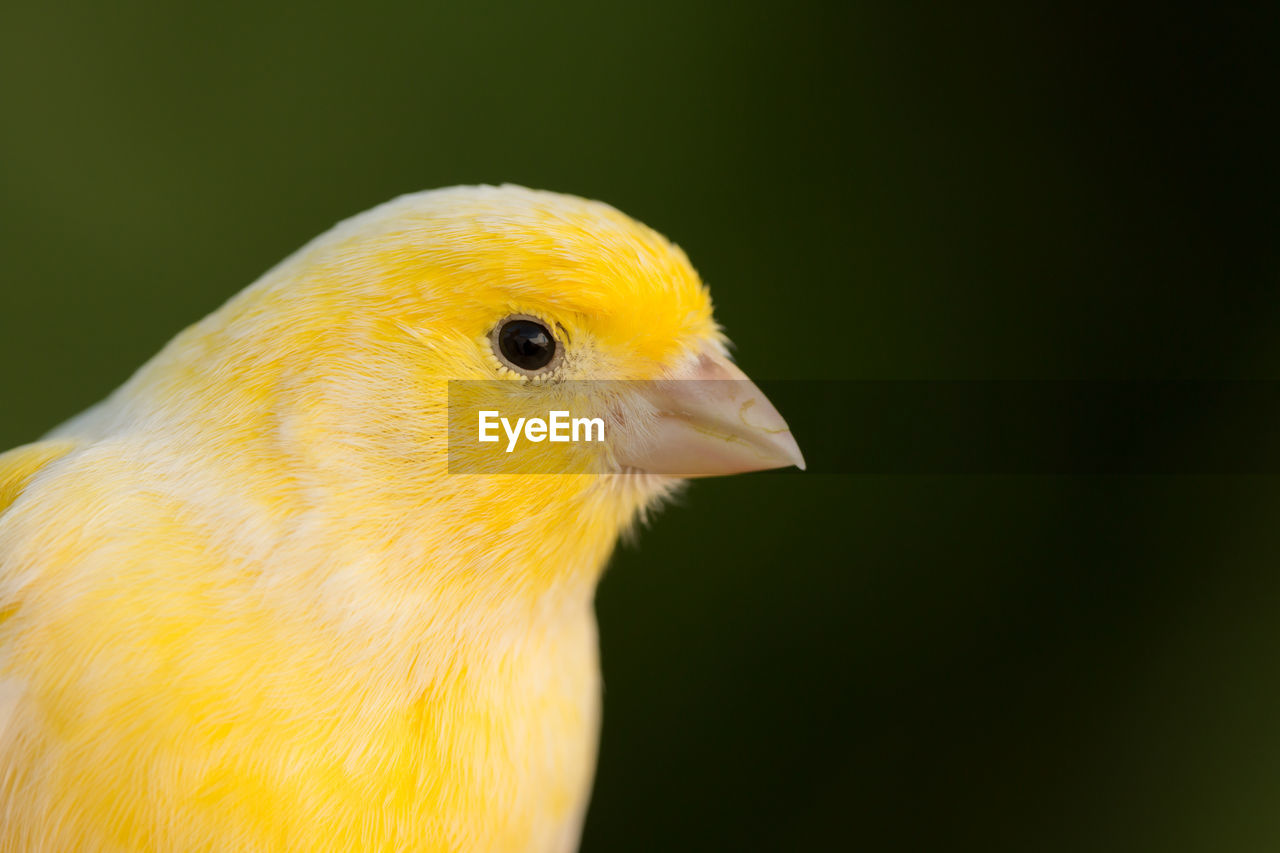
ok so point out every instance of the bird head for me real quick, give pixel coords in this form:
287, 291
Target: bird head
344, 355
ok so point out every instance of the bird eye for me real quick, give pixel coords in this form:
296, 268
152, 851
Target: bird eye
525, 344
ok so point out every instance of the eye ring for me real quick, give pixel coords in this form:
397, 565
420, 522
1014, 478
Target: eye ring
526, 344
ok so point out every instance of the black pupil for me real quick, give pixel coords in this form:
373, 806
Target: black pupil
526, 344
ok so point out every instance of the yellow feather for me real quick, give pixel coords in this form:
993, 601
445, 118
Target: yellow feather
247, 608
19, 467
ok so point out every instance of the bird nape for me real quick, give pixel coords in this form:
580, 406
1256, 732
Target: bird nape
246, 603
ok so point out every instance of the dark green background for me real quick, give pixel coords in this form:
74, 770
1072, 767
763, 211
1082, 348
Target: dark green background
874, 191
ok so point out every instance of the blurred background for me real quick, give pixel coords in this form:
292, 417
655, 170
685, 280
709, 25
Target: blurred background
874, 190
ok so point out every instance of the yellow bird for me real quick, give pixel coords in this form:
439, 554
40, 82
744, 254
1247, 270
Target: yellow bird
245, 602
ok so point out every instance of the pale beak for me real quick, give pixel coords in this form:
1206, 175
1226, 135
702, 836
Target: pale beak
711, 421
